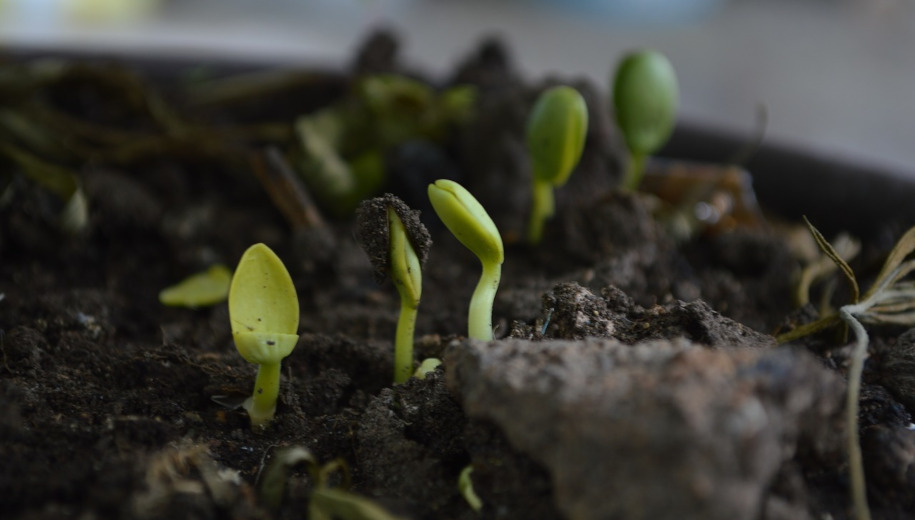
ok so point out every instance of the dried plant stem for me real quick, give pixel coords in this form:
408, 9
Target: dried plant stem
855, 463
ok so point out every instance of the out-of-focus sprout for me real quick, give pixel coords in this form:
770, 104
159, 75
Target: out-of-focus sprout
199, 290
465, 486
342, 147
556, 131
645, 99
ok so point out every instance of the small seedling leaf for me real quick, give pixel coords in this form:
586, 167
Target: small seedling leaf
262, 297
199, 290
829, 251
263, 307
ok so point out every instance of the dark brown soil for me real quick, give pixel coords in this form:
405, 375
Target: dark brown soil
106, 406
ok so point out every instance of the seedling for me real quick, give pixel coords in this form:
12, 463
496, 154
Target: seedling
465, 217
397, 244
264, 312
889, 301
199, 290
342, 148
465, 487
556, 130
645, 103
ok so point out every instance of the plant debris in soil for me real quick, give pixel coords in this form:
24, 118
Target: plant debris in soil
634, 373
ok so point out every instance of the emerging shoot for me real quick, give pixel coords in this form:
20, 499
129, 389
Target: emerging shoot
465, 217
556, 130
264, 312
397, 244
465, 487
199, 290
645, 103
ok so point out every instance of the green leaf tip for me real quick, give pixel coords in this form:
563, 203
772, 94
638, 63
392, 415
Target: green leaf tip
465, 217
645, 98
263, 307
556, 130
199, 290
404, 266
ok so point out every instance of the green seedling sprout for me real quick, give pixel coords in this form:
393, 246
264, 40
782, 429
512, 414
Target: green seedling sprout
199, 290
427, 366
465, 217
556, 130
264, 312
645, 103
465, 487
407, 275
889, 301
397, 244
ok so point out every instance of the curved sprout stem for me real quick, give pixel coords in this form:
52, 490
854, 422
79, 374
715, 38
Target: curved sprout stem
479, 319
403, 341
542, 208
261, 406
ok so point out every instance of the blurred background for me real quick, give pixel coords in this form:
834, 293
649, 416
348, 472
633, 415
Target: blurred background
837, 76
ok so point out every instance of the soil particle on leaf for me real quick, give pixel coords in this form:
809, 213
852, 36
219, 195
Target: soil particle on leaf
374, 234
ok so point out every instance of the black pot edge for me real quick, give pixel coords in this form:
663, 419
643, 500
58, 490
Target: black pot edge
836, 193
